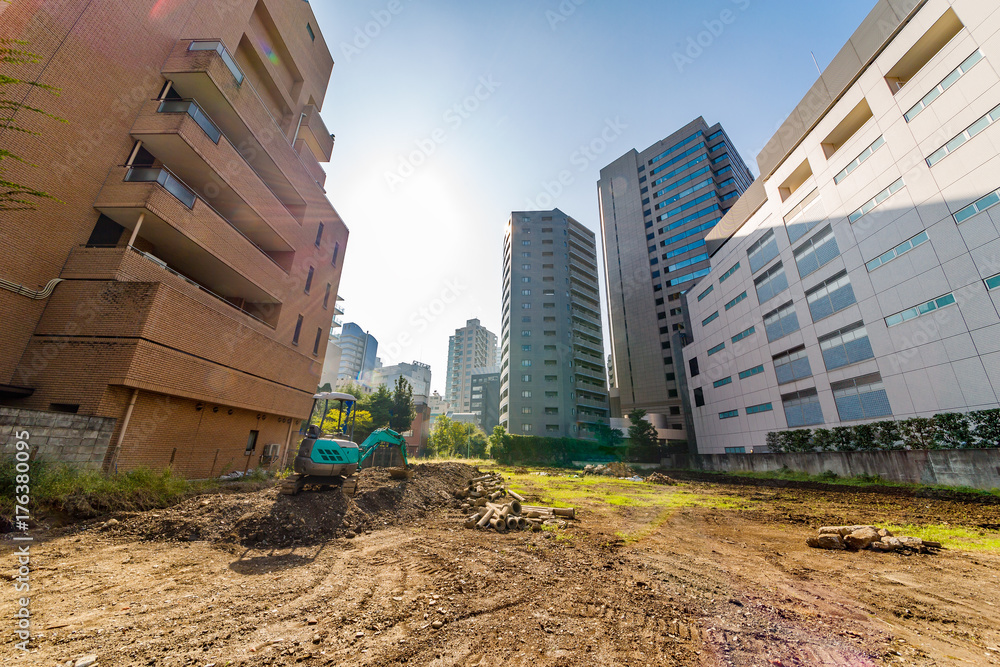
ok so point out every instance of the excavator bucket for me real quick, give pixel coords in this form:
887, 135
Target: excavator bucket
400, 473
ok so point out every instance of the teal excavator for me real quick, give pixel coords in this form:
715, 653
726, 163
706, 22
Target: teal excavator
331, 458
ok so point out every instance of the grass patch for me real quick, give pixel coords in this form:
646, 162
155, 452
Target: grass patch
59, 487
953, 537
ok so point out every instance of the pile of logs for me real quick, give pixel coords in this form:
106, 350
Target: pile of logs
498, 508
855, 538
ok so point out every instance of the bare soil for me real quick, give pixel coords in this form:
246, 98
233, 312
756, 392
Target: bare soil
263, 579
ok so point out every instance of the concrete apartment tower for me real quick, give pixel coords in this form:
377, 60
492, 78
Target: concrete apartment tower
858, 280
552, 360
656, 207
358, 355
471, 348
184, 287
486, 397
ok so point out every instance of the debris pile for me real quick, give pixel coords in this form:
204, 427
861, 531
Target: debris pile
498, 508
855, 538
615, 469
660, 478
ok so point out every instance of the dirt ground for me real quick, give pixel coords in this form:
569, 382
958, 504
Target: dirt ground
693, 574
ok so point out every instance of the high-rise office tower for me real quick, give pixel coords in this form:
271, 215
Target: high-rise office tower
552, 359
358, 352
181, 287
656, 208
486, 397
472, 347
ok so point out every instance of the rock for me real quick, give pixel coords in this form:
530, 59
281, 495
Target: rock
437, 625
882, 546
86, 661
914, 543
350, 535
892, 542
861, 538
932, 545
831, 530
311, 621
359, 634
827, 541
882, 532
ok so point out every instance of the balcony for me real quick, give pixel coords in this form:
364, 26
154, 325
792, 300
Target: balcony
205, 70
214, 170
589, 373
589, 347
591, 403
576, 265
313, 131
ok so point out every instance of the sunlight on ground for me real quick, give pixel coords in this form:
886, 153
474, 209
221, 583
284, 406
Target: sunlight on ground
953, 537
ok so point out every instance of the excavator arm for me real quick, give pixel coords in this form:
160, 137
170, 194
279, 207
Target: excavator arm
378, 438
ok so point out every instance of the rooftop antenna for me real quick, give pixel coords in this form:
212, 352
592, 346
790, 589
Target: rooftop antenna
816, 63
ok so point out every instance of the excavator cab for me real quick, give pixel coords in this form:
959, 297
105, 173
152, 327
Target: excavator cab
330, 458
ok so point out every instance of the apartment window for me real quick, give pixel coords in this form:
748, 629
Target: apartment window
830, 297
762, 251
326, 296
802, 408
718, 348
878, 199
780, 322
846, 346
336, 252
723, 382
551, 362
309, 280
744, 334
525, 306
251, 443
978, 206
551, 411
551, 378
525, 348
525, 362
750, 372
771, 283
706, 292
993, 283
526, 394
945, 84
526, 428
861, 398
966, 134
736, 450
526, 410
526, 242
693, 367
525, 279
904, 247
699, 397
711, 318
859, 160
731, 271
298, 330
552, 394
922, 309
817, 252
736, 300
548, 333
756, 409
729, 414
526, 267
526, 292
319, 336
792, 365
526, 254
797, 223
312, 35
525, 378
526, 333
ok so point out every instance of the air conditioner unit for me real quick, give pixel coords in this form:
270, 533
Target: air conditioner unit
270, 452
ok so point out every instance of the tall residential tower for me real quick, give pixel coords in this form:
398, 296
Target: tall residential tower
552, 361
471, 348
656, 208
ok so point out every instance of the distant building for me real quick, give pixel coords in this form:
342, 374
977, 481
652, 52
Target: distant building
473, 346
417, 374
552, 368
486, 397
438, 405
657, 206
358, 354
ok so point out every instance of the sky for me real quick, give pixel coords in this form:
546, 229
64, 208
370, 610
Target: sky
450, 115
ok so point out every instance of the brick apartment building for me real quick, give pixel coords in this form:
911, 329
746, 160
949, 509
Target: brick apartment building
196, 253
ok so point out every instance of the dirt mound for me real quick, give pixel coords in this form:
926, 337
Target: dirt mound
660, 478
269, 519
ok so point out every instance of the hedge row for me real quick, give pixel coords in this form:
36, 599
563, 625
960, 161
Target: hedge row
952, 430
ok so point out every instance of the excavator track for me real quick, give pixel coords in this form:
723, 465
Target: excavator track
349, 487
292, 485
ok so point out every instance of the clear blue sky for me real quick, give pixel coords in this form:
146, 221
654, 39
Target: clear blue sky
456, 113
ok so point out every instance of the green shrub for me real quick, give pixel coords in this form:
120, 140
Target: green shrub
823, 440
865, 438
919, 433
987, 428
843, 437
799, 440
887, 435
775, 442
953, 430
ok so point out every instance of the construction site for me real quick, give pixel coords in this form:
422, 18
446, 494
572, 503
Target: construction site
667, 569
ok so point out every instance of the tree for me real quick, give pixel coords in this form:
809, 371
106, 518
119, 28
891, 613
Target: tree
18, 196
379, 404
402, 413
499, 443
641, 434
609, 439
457, 439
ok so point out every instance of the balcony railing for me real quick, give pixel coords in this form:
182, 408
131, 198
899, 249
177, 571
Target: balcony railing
185, 195
191, 108
221, 49
163, 265
165, 178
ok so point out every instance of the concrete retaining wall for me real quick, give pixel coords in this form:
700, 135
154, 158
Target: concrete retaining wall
977, 468
57, 436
